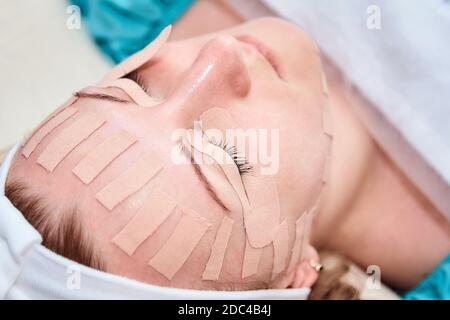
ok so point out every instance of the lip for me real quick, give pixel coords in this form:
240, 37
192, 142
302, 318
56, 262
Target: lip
263, 49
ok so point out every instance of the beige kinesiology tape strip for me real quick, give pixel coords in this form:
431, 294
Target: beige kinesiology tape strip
327, 169
252, 257
327, 121
46, 128
214, 265
156, 209
280, 250
136, 93
263, 216
69, 138
199, 142
261, 206
181, 243
324, 84
130, 181
53, 114
102, 155
138, 59
298, 243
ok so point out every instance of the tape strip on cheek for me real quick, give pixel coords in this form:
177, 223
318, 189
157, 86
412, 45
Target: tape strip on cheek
263, 218
280, 249
217, 118
252, 257
136, 93
214, 265
45, 130
327, 169
181, 243
69, 138
139, 58
324, 84
130, 181
156, 209
327, 120
308, 225
99, 158
298, 243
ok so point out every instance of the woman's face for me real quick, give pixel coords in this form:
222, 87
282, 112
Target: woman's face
266, 75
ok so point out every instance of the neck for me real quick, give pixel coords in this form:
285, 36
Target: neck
371, 212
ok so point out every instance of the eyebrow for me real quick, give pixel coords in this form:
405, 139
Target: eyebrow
99, 96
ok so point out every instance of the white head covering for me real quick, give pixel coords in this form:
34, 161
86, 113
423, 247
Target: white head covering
28, 270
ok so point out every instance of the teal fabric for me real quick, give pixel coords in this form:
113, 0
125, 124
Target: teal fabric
435, 287
123, 27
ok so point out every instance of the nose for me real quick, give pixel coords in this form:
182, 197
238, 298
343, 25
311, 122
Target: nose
217, 75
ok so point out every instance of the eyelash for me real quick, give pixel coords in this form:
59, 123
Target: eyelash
240, 160
136, 77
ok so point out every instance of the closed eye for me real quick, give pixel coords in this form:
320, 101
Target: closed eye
240, 160
136, 77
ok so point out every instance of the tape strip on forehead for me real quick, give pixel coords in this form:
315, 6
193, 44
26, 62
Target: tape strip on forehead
138, 59
174, 253
69, 138
155, 210
130, 181
280, 250
53, 114
102, 155
263, 218
215, 262
46, 128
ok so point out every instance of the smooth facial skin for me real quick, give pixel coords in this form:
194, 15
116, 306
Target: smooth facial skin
282, 90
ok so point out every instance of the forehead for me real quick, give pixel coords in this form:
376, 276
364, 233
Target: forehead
65, 189
131, 129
